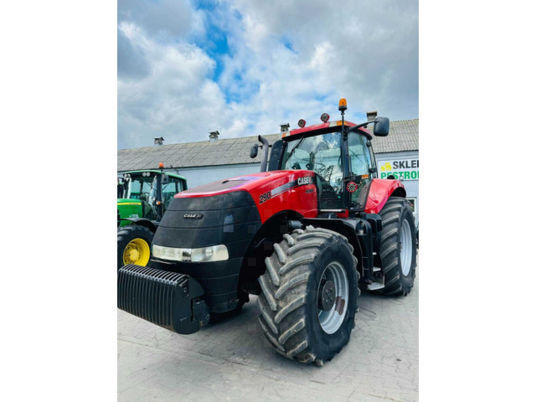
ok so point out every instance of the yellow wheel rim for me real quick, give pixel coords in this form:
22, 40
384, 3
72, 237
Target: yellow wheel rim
137, 252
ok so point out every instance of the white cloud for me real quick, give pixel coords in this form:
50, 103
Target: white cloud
174, 99
366, 51
288, 60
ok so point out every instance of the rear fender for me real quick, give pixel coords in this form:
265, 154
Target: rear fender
379, 193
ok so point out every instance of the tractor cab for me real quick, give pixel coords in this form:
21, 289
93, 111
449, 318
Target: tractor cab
142, 198
146, 194
339, 152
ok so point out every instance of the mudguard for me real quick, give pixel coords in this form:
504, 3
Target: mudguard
379, 193
151, 225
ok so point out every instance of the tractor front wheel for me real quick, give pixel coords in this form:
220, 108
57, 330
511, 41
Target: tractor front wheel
133, 245
397, 247
309, 295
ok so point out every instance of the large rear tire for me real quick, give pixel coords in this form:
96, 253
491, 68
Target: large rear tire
398, 247
309, 295
133, 245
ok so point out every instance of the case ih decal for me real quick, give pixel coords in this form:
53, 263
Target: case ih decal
301, 181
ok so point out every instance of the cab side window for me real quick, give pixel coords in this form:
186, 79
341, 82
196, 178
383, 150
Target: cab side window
360, 160
169, 190
181, 185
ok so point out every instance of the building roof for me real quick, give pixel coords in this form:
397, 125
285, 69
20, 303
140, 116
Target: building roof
403, 136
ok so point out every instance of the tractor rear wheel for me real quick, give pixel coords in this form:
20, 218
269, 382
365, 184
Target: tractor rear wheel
397, 247
309, 295
133, 245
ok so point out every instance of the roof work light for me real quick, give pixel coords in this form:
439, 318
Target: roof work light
301, 123
324, 117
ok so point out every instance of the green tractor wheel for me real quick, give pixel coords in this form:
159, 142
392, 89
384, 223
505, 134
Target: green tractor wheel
133, 245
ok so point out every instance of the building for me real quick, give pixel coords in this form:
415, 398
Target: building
214, 159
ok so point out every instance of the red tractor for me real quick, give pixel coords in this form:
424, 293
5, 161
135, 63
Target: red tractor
305, 234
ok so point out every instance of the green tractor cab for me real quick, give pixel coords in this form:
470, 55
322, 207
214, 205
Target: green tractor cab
142, 199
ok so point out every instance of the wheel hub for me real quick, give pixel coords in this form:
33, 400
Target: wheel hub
327, 293
137, 251
406, 248
332, 296
133, 255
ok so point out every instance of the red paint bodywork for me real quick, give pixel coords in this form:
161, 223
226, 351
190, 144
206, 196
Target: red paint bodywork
379, 193
301, 199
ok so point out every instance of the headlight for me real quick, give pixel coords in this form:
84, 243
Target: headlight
203, 254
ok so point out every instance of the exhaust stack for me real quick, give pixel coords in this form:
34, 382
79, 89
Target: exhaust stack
265, 148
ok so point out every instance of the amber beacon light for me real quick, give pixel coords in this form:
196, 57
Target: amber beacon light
342, 104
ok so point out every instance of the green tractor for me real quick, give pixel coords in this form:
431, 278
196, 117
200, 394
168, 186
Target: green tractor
142, 198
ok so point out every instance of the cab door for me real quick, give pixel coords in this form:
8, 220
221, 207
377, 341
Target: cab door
170, 187
362, 169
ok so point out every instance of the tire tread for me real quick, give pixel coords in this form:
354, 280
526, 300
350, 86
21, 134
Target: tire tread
283, 287
391, 214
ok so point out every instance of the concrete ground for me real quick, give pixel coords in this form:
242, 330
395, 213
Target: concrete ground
233, 361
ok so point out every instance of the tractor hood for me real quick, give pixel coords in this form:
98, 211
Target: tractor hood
128, 201
271, 192
239, 183
128, 208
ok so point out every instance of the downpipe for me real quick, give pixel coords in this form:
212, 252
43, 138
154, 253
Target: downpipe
171, 300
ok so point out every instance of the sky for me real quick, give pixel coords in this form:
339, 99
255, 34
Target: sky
243, 67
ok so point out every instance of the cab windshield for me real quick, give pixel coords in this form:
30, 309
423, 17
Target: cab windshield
141, 187
320, 153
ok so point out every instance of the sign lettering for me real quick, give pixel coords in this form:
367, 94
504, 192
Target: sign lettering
401, 169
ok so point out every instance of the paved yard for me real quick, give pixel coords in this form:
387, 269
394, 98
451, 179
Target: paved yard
233, 361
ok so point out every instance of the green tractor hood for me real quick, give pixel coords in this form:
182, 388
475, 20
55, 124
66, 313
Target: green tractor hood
128, 208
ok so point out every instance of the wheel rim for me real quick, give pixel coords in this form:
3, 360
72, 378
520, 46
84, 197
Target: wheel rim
406, 248
332, 299
137, 252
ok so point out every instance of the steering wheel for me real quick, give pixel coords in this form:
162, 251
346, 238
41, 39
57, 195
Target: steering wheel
321, 164
328, 172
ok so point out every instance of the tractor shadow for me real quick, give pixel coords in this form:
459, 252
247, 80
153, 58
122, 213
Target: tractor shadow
239, 339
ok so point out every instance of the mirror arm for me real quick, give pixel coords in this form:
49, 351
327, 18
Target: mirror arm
354, 128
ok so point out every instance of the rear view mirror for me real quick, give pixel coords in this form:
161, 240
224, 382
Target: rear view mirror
165, 179
381, 126
254, 151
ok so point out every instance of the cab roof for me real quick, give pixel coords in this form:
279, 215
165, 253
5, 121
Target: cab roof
155, 171
324, 127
